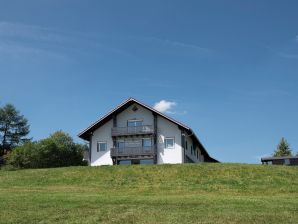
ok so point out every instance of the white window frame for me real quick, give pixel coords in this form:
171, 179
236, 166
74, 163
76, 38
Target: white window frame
135, 120
98, 146
169, 138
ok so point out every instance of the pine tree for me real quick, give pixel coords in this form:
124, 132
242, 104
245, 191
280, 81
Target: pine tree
13, 128
283, 149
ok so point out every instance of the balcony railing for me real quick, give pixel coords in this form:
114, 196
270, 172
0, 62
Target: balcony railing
133, 151
137, 130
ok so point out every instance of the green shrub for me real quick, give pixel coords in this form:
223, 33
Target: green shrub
8, 168
56, 151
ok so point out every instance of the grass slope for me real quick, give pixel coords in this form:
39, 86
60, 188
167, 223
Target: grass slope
190, 193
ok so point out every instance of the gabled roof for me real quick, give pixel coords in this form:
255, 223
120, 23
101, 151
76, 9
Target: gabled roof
86, 133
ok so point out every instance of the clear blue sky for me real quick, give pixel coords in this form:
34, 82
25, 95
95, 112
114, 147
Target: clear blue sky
230, 68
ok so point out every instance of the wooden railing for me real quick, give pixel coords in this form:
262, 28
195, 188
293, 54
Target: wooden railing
137, 130
132, 151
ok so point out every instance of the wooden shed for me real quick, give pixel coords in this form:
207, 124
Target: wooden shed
282, 160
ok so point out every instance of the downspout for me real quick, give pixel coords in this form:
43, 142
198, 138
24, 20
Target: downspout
183, 145
155, 138
90, 148
115, 160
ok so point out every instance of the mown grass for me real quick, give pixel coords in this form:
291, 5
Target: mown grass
189, 193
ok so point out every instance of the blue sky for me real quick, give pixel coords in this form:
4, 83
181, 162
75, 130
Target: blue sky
228, 68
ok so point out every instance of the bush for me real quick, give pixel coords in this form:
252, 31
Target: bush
56, 151
8, 168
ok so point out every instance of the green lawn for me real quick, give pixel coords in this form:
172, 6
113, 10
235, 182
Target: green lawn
190, 193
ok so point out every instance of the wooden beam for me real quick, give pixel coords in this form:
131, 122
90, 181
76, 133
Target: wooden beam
155, 136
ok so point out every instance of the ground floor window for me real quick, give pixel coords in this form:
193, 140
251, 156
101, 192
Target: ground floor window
146, 161
135, 161
101, 146
124, 162
169, 143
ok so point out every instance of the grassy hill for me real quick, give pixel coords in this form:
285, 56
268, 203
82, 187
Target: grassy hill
190, 193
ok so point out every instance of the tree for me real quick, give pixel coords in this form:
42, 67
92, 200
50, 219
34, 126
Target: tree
283, 149
55, 151
13, 128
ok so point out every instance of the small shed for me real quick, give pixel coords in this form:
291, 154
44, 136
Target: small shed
281, 160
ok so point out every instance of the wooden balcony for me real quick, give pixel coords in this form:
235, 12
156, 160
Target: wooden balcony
137, 130
133, 152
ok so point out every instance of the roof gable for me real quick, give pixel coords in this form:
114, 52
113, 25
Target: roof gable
121, 107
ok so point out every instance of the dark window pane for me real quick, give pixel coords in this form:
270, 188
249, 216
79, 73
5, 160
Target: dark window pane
146, 161
147, 142
124, 162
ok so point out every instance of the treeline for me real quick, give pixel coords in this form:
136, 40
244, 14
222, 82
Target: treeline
58, 150
19, 151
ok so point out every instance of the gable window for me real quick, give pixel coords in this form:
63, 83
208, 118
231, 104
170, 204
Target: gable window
134, 123
169, 143
101, 146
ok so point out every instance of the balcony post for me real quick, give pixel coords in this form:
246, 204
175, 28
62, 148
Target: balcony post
155, 137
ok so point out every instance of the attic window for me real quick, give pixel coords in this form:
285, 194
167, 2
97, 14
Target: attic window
134, 108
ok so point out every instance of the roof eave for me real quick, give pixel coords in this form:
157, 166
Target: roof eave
83, 133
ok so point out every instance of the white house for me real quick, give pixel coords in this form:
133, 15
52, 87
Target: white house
135, 133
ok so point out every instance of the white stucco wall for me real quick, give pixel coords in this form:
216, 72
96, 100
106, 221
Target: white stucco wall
166, 129
141, 114
192, 155
102, 134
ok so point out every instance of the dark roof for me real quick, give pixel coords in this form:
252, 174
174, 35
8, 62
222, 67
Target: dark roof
85, 134
278, 157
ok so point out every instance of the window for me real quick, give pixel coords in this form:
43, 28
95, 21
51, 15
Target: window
101, 146
132, 143
124, 162
134, 123
169, 143
191, 149
146, 142
120, 146
287, 162
146, 161
198, 154
186, 146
